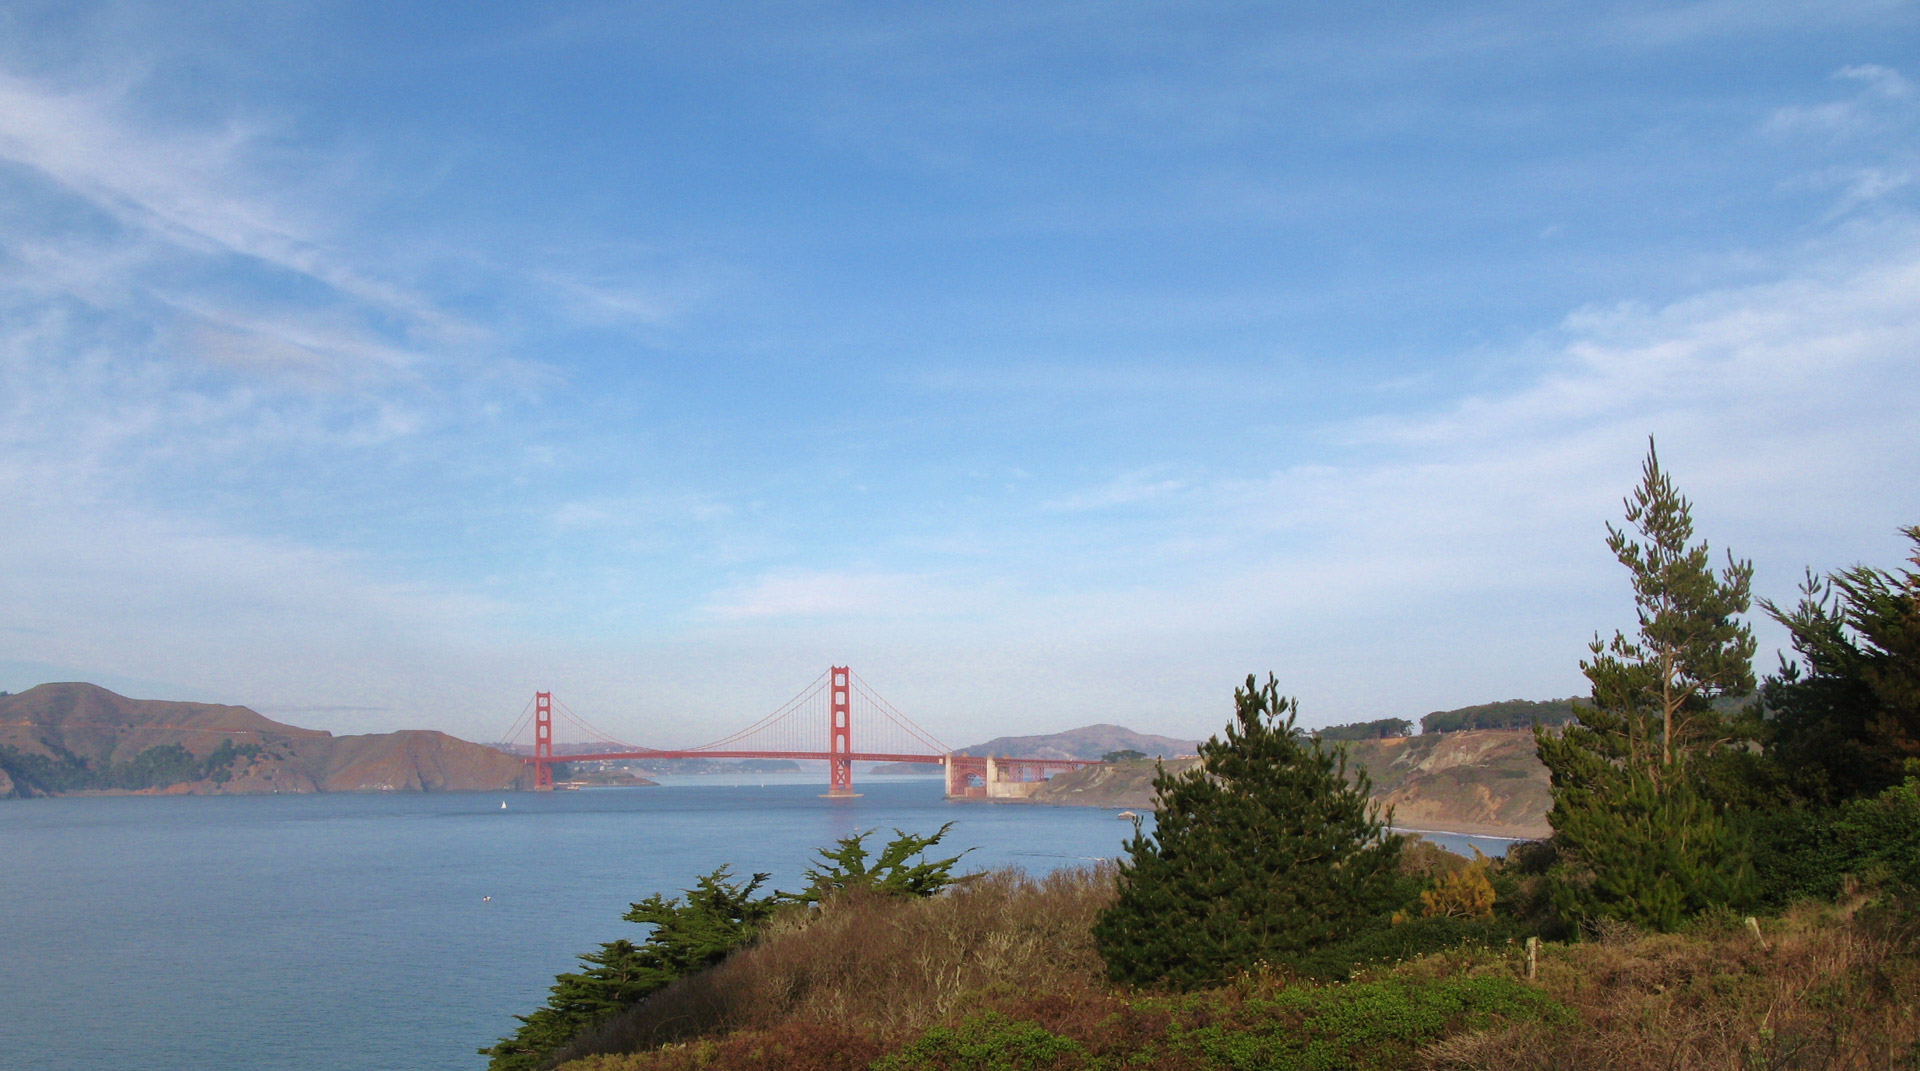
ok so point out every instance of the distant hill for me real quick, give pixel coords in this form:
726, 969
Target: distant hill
75, 737
1086, 742
1511, 714
1474, 781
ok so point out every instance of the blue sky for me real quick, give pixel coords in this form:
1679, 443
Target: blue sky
374, 365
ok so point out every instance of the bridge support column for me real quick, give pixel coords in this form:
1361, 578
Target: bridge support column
840, 736
543, 742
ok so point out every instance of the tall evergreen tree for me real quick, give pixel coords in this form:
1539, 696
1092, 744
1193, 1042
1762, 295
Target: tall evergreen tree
1627, 811
1263, 852
1845, 716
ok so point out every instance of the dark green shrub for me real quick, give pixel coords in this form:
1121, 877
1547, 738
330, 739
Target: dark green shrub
1262, 853
1370, 1025
989, 1042
1809, 853
1386, 944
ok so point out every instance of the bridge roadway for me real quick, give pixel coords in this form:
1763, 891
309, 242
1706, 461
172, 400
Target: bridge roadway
1014, 776
824, 756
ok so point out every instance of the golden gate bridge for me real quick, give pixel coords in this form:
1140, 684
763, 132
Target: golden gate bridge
825, 712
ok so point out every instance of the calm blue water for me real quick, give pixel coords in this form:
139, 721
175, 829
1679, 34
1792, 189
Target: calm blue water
349, 931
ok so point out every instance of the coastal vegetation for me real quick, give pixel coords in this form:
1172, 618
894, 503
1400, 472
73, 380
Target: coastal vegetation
718, 915
59, 770
1510, 714
1380, 729
1272, 920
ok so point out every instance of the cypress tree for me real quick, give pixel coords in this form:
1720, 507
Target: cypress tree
718, 916
1260, 854
1848, 723
1641, 843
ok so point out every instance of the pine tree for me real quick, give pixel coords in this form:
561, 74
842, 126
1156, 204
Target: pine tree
1847, 722
1262, 853
1643, 844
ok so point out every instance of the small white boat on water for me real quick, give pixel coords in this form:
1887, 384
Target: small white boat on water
1126, 814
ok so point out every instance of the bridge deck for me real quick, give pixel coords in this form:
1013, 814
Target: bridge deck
857, 756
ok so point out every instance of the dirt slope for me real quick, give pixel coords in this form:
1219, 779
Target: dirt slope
1477, 781
1484, 781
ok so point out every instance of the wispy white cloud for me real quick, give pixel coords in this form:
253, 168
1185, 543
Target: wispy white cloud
200, 190
801, 595
1127, 489
1883, 101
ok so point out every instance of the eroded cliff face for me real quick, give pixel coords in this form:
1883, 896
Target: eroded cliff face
1477, 781
62, 723
1484, 781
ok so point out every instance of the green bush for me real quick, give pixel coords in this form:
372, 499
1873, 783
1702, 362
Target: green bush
1364, 1026
1809, 853
1369, 1026
990, 1042
1408, 940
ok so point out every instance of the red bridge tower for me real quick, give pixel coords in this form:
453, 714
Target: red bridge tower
543, 742
840, 738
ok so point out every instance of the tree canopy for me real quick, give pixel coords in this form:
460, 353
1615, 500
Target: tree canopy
1639, 840
1508, 714
1844, 717
1366, 730
1262, 853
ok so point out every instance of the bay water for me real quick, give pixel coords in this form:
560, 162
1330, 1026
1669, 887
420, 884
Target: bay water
399, 932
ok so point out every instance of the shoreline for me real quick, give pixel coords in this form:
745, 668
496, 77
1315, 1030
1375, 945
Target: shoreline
1507, 833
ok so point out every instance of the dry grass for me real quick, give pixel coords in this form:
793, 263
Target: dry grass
868, 968
1833, 989
840, 987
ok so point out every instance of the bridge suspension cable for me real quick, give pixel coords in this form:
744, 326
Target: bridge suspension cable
838, 718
